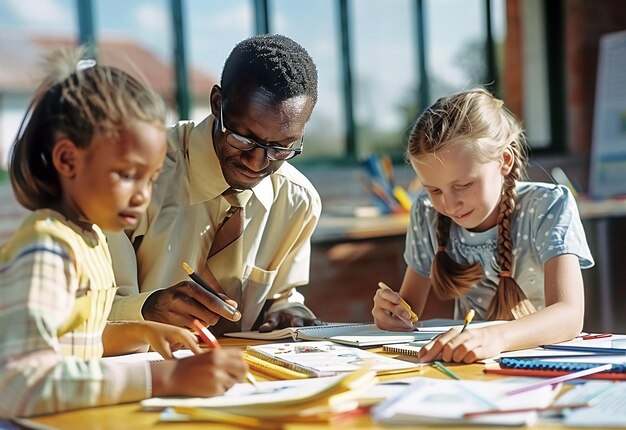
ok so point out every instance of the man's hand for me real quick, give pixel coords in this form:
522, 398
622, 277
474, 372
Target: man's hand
290, 317
180, 304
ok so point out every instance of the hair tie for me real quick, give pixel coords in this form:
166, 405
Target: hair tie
505, 274
441, 248
85, 64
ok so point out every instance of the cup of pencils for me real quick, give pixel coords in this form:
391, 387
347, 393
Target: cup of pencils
380, 183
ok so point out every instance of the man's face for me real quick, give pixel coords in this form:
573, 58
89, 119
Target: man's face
256, 116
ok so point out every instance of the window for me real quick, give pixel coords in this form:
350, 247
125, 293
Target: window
29, 29
367, 107
315, 28
137, 37
213, 28
384, 73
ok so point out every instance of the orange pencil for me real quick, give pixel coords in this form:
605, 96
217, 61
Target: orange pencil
208, 338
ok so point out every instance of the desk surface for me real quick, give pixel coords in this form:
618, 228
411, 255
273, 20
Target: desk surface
130, 416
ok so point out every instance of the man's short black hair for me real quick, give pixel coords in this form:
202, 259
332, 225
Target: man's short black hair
274, 62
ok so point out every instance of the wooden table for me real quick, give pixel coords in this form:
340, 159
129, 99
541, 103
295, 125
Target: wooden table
131, 417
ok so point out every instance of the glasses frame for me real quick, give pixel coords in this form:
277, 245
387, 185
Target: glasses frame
252, 144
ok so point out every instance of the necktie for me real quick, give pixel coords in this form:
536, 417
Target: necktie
232, 226
225, 257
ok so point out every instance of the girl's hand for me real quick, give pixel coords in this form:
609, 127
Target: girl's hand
387, 312
165, 338
466, 347
210, 373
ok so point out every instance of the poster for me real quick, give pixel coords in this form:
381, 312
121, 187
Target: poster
607, 172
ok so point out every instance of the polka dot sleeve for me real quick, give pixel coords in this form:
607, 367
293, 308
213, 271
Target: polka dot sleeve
557, 227
421, 239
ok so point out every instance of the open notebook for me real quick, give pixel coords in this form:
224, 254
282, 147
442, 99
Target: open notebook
359, 334
324, 358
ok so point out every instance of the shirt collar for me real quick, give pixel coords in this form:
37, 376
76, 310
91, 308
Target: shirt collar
205, 172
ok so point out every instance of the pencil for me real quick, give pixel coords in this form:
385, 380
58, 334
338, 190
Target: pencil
446, 370
596, 336
208, 338
553, 408
560, 379
468, 319
235, 314
412, 315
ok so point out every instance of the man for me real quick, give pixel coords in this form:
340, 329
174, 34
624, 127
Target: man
266, 95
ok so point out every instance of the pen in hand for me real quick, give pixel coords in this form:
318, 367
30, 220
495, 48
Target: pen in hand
235, 314
468, 319
412, 315
208, 338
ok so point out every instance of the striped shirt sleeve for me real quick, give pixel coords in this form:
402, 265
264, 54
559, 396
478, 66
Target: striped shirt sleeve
38, 284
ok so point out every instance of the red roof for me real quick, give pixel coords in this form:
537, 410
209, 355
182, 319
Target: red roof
22, 56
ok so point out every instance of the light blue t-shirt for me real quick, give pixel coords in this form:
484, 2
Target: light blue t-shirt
545, 224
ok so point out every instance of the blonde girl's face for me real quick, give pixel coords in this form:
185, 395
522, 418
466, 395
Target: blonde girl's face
463, 188
112, 180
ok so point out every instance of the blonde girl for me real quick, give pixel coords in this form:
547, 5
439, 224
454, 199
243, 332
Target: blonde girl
480, 238
90, 147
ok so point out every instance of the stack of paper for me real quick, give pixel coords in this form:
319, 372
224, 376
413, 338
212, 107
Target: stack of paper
437, 401
607, 405
271, 403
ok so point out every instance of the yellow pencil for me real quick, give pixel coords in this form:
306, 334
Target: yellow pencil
468, 319
412, 315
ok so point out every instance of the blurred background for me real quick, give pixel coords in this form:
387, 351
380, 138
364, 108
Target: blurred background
380, 63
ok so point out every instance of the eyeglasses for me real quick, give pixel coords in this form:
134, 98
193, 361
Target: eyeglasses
274, 153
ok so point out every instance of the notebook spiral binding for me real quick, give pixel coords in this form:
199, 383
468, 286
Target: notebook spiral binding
307, 329
515, 363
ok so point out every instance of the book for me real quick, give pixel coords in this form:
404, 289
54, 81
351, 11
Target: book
274, 370
430, 401
352, 334
558, 366
326, 358
270, 402
360, 334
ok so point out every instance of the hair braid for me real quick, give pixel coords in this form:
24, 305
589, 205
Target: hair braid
510, 302
451, 279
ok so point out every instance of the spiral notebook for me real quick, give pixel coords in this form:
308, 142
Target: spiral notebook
352, 334
361, 334
325, 358
550, 367
410, 348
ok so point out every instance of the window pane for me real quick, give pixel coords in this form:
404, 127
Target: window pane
455, 37
213, 28
314, 26
137, 37
29, 30
535, 71
384, 69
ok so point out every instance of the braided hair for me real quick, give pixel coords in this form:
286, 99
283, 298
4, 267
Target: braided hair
481, 122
